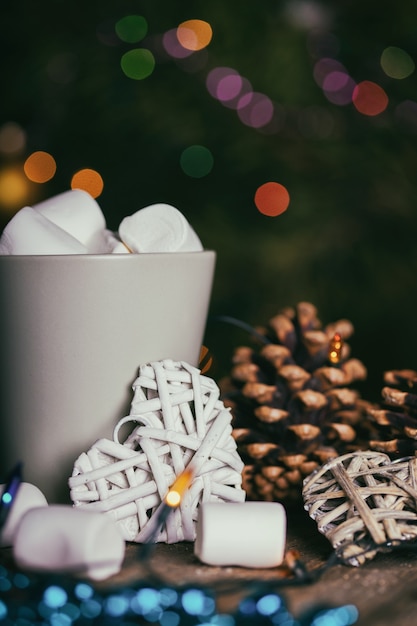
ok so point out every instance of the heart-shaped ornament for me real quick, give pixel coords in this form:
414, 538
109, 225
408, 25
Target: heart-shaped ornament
364, 503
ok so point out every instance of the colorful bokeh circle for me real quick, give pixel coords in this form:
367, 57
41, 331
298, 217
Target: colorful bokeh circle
272, 199
138, 63
89, 180
40, 167
196, 161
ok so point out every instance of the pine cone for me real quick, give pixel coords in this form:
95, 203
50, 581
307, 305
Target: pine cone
292, 403
396, 418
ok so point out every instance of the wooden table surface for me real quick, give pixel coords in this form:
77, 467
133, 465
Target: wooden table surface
384, 590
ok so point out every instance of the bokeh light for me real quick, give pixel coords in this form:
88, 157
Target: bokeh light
255, 109
228, 86
222, 83
88, 180
194, 34
326, 66
40, 167
138, 63
131, 28
369, 98
14, 188
338, 87
196, 161
397, 63
12, 139
173, 47
272, 199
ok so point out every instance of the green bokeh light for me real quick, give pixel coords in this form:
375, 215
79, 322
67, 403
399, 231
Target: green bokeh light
397, 63
196, 161
131, 28
138, 63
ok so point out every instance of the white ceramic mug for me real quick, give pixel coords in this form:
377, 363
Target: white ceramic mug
74, 330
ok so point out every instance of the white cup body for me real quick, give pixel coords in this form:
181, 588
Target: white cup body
247, 534
74, 330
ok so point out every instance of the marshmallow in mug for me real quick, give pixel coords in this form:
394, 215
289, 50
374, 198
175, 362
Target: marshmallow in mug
77, 213
62, 539
247, 534
73, 223
30, 232
27, 497
158, 228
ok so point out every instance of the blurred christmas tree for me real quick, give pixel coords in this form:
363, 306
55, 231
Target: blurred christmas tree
334, 121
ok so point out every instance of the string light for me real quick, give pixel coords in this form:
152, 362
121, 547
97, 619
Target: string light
335, 349
178, 489
65, 603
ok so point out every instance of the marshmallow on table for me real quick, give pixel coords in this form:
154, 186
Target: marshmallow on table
27, 497
247, 534
30, 232
159, 228
62, 539
77, 212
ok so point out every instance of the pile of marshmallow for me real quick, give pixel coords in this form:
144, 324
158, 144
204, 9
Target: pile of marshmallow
62, 538
73, 223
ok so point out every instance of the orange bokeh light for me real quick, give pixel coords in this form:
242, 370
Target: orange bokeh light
40, 167
89, 180
14, 189
369, 98
272, 199
194, 34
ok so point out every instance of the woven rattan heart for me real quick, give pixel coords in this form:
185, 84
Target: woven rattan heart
179, 422
364, 503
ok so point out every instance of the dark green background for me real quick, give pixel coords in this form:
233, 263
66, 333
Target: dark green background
348, 239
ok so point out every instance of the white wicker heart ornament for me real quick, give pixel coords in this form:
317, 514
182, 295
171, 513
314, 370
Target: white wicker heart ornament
178, 422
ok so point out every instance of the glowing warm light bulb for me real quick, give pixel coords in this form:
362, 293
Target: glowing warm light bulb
194, 34
335, 349
12, 138
40, 167
178, 489
89, 180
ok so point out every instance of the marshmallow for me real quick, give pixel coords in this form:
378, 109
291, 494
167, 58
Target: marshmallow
63, 539
158, 228
76, 212
30, 232
247, 534
113, 244
27, 497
